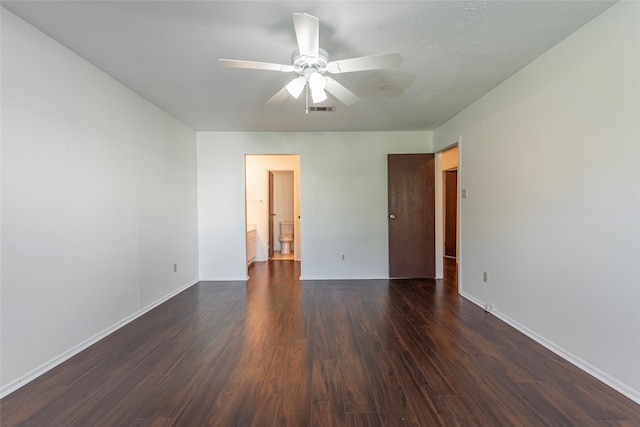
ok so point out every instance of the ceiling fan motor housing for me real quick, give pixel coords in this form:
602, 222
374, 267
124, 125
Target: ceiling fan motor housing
303, 62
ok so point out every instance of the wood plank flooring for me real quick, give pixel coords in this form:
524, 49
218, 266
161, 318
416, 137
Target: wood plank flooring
278, 352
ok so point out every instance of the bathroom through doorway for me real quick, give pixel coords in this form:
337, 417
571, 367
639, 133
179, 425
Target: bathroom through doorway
281, 213
272, 185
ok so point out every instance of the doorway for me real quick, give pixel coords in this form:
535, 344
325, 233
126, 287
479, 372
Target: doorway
262, 172
449, 200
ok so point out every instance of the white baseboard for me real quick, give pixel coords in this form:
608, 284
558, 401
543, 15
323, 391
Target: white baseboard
224, 279
303, 278
471, 298
47, 366
568, 356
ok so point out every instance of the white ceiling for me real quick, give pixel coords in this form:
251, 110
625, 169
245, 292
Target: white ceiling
453, 53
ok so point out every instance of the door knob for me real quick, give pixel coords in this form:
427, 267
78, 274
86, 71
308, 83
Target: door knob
392, 216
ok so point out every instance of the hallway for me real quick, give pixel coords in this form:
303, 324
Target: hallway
276, 351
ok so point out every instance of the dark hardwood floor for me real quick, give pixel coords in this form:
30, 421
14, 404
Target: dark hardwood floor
275, 351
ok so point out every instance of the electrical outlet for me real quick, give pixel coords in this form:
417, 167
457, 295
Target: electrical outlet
342, 258
464, 193
175, 268
484, 276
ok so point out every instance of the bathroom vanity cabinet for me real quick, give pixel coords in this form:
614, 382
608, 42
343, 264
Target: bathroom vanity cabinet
251, 243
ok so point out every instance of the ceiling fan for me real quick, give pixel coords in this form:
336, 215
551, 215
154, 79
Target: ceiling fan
311, 63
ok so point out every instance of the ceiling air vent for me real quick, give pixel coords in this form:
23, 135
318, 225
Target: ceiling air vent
322, 108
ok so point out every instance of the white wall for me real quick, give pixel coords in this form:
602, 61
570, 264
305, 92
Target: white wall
257, 184
343, 198
98, 202
551, 161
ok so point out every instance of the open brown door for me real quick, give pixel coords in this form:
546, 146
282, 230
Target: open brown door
411, 186
271, 215
450, 213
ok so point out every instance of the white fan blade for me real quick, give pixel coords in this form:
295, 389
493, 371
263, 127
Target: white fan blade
279, 97
253, 65
308, 34
343, 94
363, 63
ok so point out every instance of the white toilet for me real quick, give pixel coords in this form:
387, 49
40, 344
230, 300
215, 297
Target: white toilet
286, 237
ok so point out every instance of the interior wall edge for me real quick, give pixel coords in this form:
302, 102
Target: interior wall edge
560, 351
535, 203
52, 363
98, 204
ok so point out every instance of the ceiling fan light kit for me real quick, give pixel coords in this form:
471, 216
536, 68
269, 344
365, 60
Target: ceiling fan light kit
318, 96
296, 86
317, 84
311, 63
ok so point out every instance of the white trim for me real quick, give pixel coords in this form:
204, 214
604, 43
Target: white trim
465, 295
439, 217
225, 279
47, 366
344, 278
566, 355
